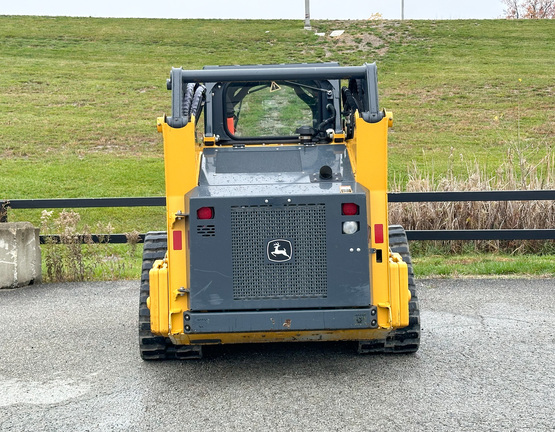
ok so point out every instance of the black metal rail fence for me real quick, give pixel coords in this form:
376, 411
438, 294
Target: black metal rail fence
487, 234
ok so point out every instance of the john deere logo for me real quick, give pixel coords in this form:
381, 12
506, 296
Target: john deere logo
279, 250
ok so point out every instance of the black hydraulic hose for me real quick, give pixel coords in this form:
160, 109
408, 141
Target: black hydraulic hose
187, 99
197, 99
357, 90
349, 100
330, 120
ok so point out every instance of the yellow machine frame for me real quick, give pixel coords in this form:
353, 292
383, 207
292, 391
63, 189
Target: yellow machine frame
169, 284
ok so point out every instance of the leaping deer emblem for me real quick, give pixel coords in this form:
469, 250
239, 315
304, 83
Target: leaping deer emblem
278, 251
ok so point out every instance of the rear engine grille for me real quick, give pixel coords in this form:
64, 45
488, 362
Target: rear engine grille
254, 276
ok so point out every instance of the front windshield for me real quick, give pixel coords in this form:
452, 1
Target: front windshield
271, 108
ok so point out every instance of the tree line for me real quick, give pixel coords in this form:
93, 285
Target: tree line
532, 9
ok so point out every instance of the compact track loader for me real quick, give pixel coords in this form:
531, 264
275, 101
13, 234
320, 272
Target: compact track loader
277, 227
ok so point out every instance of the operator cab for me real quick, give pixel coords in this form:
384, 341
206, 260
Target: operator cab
255, 110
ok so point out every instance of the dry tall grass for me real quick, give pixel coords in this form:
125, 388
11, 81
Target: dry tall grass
73, 256
515, 173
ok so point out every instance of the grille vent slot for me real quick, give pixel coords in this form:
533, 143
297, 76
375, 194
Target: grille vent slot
206, 230
256, 278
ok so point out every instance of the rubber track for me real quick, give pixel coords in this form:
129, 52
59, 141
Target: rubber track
407, 339
157, 347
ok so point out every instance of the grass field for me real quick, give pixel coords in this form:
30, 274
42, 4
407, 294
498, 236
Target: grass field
79, 97
491, 265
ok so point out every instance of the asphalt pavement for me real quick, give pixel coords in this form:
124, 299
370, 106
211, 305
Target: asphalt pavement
69, 361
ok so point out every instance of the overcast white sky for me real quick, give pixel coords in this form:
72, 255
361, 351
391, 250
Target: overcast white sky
280, 9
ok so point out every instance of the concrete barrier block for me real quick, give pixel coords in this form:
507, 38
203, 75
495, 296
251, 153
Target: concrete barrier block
20, 261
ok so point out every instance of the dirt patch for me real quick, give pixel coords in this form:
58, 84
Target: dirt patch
374, 36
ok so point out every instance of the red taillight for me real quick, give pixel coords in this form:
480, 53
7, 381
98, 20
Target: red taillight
205, 213
349, 209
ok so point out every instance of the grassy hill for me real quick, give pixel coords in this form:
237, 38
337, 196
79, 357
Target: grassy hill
79, 97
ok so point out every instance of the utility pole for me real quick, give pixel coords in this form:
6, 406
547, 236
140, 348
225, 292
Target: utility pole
402, 10
307, 15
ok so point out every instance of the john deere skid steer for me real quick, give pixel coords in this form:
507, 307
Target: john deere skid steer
277, 227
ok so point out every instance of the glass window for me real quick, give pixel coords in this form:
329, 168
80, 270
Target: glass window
272, 108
